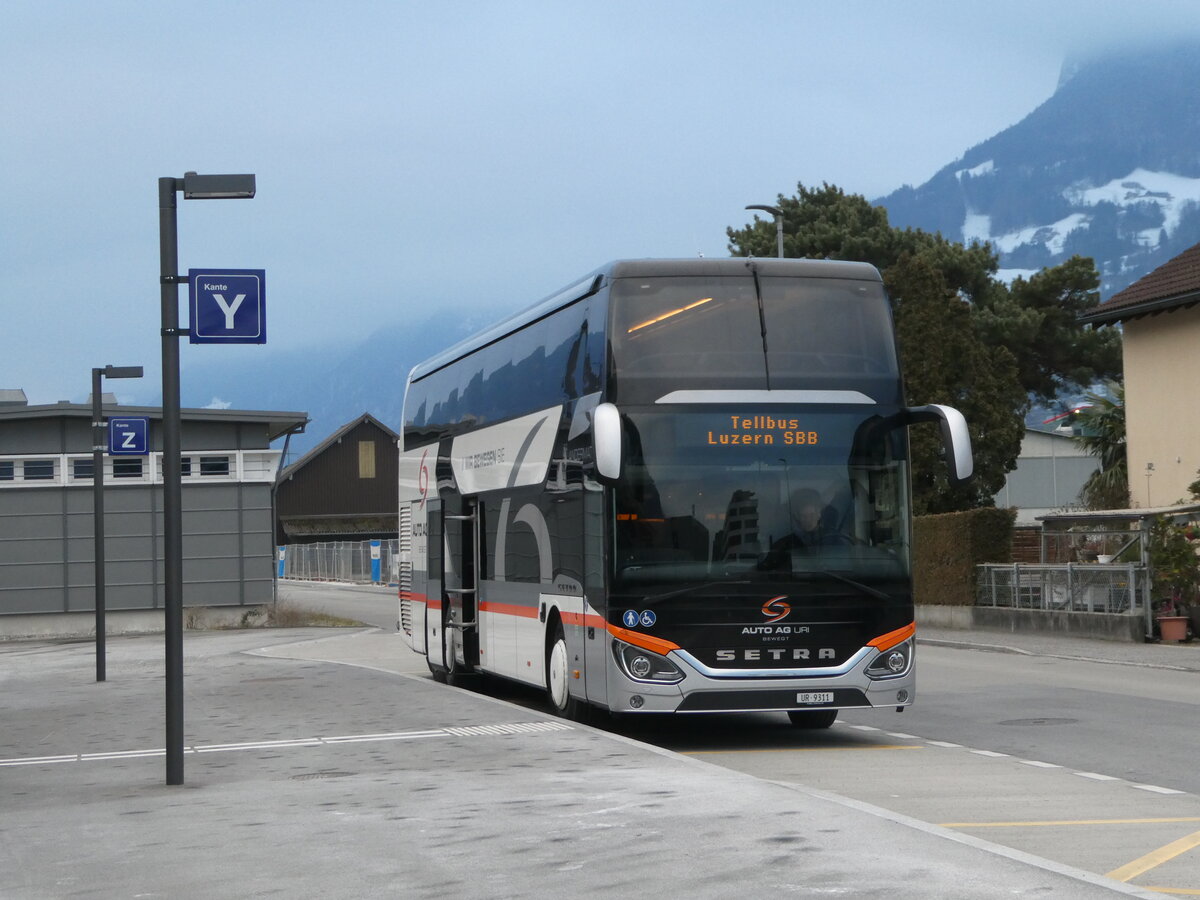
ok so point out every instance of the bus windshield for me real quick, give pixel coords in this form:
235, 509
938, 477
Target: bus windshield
738, 332
758, 493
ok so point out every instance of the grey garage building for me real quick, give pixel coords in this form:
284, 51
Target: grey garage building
46, 526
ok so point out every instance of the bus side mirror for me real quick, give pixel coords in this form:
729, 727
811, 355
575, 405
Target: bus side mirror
606, 440
955, 437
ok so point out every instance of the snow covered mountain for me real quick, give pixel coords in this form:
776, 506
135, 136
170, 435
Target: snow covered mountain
1108, 167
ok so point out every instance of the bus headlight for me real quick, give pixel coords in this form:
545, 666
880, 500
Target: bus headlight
892, 663
642, 665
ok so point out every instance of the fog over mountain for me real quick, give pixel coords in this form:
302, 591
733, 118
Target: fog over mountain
1107, 167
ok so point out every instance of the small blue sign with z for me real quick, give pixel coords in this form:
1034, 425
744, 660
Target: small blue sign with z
129, 437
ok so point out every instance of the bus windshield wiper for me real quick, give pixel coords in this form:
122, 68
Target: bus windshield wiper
655, 598
857, 585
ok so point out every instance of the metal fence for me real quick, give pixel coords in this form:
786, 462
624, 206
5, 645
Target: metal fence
353, 562
1089, 588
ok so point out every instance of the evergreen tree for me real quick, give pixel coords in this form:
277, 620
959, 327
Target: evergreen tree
945, 362
1038, 321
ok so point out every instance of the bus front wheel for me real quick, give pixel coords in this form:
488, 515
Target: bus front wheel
813, 718
558, 669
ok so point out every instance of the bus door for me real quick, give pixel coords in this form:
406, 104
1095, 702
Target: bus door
433, 584
461, 516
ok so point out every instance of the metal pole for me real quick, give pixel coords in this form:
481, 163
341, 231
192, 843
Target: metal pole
172, 477
779, 232
98, 519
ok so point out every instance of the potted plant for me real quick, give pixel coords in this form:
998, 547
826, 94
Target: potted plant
1176, 575
1172, 624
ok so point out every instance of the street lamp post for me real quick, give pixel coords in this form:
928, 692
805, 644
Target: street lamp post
778, 214
194, 187
99, 444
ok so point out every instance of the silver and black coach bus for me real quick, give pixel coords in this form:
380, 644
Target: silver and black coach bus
675, 486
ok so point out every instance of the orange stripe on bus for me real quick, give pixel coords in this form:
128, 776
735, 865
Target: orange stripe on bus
508, 609
892, 638
657, 645
582, 619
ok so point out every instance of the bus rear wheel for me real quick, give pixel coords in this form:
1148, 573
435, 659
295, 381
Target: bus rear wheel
558, 687
813, 718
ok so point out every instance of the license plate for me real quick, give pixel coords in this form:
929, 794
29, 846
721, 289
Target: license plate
808, 697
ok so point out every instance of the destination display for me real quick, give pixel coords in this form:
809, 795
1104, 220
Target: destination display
766, 430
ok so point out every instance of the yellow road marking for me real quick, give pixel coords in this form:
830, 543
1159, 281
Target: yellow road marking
1061, 822
804, 750
1155, 858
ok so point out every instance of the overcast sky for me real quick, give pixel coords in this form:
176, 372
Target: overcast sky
413, 156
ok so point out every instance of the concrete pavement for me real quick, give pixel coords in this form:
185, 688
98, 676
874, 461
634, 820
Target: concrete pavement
324, 762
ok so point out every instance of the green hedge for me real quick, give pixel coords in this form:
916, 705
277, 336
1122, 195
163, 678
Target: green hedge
948, 547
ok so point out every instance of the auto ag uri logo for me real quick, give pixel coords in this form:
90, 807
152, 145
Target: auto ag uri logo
776, 608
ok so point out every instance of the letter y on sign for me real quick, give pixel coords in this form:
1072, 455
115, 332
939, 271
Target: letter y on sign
229, 308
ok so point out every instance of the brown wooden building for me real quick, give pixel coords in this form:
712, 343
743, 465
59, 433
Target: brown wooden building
344, 489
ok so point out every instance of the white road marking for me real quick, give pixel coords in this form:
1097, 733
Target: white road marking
464, 731
521, 728
994, 754
1155, 789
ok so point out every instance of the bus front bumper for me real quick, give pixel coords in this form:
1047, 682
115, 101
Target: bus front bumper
764, 690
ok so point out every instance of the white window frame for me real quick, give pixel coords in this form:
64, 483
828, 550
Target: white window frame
245, 466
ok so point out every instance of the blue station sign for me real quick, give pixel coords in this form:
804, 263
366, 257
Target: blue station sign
228, 306
129, 437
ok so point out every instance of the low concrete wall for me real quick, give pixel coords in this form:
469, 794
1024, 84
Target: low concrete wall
48, 626
1034, 621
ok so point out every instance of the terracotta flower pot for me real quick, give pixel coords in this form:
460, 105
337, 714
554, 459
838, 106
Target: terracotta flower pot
1173, 628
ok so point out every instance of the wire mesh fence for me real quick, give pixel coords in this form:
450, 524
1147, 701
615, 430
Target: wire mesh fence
353, 562
1109, 589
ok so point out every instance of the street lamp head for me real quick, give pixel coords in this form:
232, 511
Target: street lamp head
778, 215
121, 371
217, 187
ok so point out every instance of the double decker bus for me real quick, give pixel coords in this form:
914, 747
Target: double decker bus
675, 486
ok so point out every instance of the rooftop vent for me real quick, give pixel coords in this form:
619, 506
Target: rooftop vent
10, 397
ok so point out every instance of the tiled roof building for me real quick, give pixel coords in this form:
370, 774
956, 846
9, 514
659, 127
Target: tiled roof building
1160, 335
1173, 285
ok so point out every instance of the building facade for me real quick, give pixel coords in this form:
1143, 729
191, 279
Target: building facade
46, 509
344, 489
1160, 319
1049, 476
